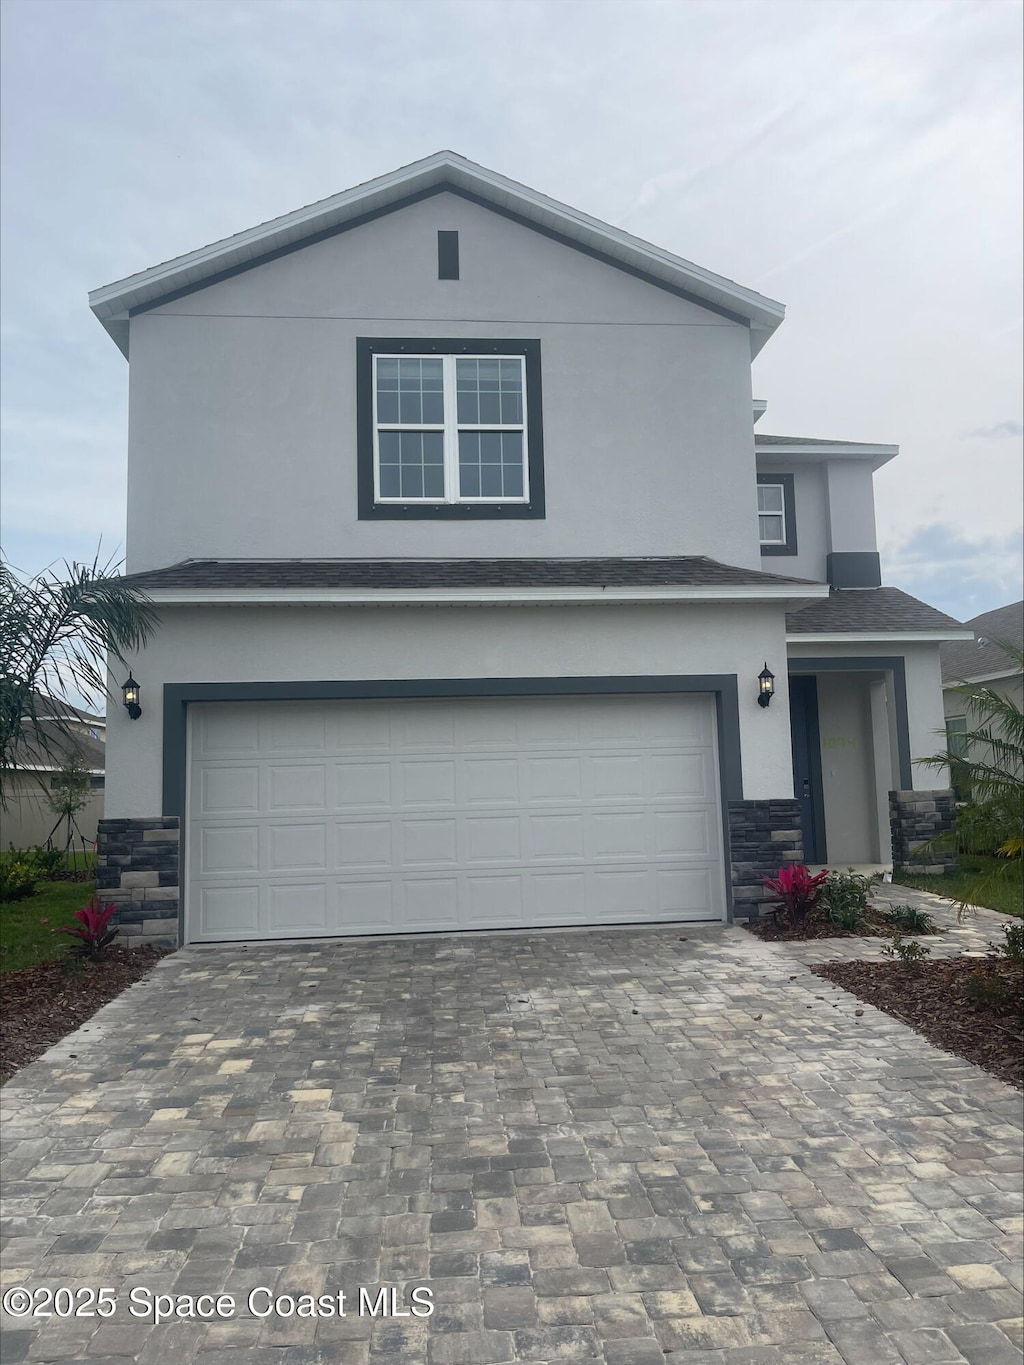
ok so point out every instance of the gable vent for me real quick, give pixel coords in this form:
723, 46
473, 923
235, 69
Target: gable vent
447, 255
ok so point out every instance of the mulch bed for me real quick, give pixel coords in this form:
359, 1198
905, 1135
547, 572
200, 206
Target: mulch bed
774, 931
40, 1005
70, 874
930, 998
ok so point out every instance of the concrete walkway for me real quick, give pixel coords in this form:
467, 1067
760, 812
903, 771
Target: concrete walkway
973, 934
626, 1147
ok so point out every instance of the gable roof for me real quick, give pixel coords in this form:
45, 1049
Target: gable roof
872, 611
57, 750
972, 660
444, 171
682, 576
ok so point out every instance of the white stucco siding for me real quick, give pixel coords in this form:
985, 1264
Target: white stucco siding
848, 768
956, 705
811, 509
851, 506
243, 401
226, 644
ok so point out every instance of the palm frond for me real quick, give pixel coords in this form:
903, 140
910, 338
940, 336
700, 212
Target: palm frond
58, 630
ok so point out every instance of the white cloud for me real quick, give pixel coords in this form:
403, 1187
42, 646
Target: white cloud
859, 160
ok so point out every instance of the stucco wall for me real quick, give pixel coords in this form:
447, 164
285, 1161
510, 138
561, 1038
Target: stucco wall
847, 770
955, 705
811, 510
851, 506
230, 644
243, 402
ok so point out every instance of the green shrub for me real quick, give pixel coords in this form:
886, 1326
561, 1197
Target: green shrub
17, 880
844, 898
989, 990
911, 919
47, 860
1013, 948
910, 954
847, 915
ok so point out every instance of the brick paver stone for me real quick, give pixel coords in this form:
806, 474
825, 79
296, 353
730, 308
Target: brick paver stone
622, 1147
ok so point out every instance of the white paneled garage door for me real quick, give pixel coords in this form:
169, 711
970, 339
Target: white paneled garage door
352, 817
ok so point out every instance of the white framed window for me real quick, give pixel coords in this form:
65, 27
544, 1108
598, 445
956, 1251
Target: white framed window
771, 513
450, 429
956, 736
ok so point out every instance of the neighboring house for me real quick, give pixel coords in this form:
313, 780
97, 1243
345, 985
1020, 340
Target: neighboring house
468, 563
980, 660
28, 819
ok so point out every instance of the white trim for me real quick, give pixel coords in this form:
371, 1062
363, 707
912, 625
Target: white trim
780, 512
429, 596
848, 451
112, 301
838, 637
451, 428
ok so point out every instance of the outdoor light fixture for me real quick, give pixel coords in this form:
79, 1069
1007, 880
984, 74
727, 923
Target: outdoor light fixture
765, 686
131, 690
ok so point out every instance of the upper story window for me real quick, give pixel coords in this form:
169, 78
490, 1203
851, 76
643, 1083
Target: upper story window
776, 515
449, 428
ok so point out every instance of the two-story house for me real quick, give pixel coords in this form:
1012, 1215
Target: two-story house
472, 574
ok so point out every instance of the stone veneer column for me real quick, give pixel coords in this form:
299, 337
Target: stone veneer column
137, 869
763, 836
915, 818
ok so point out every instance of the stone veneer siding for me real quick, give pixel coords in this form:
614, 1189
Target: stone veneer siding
915, 818
137, 869
763, 836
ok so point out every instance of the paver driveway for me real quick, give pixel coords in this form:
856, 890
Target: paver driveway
630, 1147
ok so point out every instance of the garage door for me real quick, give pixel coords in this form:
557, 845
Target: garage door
315, 819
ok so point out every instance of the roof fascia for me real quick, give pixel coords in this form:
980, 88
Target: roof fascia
774, 592
877, 455
836, 637
949, 683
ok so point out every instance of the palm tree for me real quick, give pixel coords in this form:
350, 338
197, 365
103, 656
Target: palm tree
988, 770
56, 633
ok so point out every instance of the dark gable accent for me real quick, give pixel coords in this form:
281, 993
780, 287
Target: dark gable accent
447, 255
789, 504
369, 509
854, 569
445, 187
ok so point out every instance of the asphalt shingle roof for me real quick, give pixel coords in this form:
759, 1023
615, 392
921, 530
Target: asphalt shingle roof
971, 658
868, 609
681, 571
761, 439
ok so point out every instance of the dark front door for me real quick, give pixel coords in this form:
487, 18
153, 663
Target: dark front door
803, 718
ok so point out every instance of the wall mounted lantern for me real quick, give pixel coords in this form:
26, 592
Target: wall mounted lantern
130, 690
765, 686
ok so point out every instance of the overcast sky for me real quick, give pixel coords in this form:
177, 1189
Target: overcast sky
859, 161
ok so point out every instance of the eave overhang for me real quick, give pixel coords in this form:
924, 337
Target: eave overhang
791, 596
875, 637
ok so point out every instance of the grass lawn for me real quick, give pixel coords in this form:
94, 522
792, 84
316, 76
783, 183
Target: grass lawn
1006, 894
26, 926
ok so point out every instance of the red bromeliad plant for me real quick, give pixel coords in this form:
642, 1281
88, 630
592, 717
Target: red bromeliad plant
94, 936
797, 889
